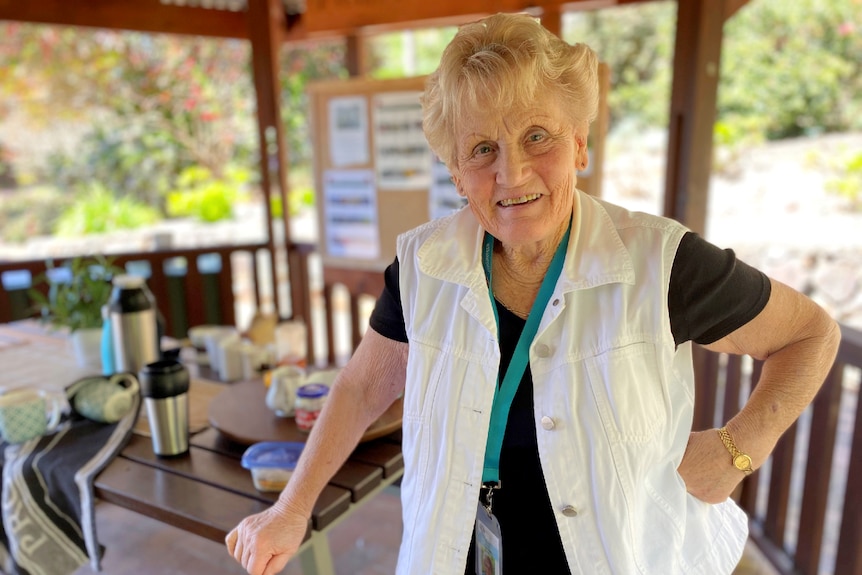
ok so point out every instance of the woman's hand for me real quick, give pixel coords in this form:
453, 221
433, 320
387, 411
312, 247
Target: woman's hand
263, 543
706, 468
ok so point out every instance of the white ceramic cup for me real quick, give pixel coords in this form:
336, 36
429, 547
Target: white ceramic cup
28, 413
283, 383
229, 363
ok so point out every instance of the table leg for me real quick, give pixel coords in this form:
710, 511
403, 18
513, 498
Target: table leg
316, 559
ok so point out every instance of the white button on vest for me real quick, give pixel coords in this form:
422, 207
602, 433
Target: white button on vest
569, 511
543, 350
547, 423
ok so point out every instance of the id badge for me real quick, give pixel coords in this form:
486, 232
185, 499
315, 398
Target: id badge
489, 543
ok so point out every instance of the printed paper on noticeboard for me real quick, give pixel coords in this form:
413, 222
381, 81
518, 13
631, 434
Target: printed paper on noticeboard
401, 152
350, 214
348, 131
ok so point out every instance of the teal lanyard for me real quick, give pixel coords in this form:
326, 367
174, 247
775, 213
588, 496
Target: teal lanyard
505, 393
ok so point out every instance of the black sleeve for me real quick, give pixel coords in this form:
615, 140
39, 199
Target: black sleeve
711, 292
387, 319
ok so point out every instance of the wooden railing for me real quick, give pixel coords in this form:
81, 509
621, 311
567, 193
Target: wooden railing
191, 286
805, 504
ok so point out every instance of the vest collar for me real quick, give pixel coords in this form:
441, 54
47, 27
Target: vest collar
596, 254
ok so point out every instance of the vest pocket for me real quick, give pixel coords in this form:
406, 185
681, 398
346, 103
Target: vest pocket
628, 392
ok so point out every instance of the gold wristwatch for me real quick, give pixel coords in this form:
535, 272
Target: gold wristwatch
740, 460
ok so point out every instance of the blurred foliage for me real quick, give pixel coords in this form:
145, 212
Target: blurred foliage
636, 42
411, 53
29, 212
301, 195
158, 107
795, 67
846, 180
127, 159
159, 111
7, 172
96, 210
787, 68
202, 195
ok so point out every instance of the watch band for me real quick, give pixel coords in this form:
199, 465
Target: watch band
739, 459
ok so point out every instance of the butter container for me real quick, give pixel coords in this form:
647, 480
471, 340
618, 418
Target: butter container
271, 463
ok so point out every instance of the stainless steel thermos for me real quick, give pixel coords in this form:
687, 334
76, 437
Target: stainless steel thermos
133, 323
165, 388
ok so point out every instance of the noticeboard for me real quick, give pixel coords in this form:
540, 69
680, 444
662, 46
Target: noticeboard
375, 175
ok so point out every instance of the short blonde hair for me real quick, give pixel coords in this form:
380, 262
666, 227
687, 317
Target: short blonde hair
502, 61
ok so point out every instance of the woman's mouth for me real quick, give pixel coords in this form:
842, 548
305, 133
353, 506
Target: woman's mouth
519, 201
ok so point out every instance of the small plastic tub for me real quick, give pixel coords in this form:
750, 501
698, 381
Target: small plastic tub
271, 463
309, 403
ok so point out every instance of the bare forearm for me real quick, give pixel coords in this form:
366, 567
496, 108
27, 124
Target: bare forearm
366, 388
789, 381
797, 341
333, 439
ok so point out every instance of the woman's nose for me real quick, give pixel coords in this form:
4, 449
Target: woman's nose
512, 166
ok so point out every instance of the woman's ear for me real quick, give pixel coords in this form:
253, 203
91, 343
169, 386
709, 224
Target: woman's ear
457, 181
583, 159
582, 156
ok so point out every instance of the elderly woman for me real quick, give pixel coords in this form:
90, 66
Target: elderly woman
544, 336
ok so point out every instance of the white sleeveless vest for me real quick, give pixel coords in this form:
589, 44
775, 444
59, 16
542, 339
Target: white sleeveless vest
613, 401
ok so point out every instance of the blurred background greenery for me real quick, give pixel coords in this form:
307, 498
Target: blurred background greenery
157, 127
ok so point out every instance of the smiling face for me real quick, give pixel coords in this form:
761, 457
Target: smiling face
518, 170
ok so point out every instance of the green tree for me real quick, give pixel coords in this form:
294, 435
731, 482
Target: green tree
412, 53
157, 103
793, 68
636, 42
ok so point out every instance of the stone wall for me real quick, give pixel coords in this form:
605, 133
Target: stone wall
832, 278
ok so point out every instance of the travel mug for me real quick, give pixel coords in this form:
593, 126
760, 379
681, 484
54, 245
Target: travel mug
165, 389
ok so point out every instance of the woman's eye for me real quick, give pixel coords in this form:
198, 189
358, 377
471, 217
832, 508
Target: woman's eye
482, 149
536, 137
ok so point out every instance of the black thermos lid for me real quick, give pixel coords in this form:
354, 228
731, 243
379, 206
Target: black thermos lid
164, 378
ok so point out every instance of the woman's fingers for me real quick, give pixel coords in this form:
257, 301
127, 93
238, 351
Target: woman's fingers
263, 543
230, 541
276, 564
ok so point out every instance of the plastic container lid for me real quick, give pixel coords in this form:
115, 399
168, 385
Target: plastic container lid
313, 390
272, 454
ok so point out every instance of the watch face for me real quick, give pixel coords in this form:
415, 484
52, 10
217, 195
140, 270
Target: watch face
742, 462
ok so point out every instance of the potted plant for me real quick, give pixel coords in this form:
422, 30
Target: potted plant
76, 292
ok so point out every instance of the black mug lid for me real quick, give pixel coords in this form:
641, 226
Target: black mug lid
163, 378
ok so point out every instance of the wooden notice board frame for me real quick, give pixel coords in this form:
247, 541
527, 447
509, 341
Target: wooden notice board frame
397, 210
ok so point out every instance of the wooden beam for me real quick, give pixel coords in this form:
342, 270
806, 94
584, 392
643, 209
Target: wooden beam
350, 14
731, 7
692, 111
139, 15
347, 15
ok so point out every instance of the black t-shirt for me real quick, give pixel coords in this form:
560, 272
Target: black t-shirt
711, 293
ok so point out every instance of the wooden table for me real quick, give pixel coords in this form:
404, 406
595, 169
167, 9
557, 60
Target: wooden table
206, 491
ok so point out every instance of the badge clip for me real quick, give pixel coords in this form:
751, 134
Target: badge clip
489, 494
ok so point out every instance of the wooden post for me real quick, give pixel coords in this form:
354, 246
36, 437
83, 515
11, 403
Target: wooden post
692, 111
267, 24
552, 19
356, 57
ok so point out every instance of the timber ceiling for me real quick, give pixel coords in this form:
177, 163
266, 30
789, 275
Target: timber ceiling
299, 19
